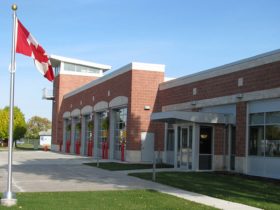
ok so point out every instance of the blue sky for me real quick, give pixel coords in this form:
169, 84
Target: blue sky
186, 35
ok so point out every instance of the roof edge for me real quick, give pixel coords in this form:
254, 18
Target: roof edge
251, 62
81, 62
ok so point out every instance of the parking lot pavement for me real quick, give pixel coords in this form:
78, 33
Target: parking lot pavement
38, 171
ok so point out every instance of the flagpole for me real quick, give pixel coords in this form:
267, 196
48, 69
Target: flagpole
9, 198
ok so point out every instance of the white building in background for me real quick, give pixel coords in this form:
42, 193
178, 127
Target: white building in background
45, 138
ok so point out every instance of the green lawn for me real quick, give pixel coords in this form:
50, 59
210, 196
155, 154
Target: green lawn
107, 200
25, 147
126, 166
247, 190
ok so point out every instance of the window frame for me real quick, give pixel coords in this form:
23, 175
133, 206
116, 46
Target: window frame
271, 147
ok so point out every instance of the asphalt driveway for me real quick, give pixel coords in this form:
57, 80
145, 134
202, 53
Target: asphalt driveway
38, 171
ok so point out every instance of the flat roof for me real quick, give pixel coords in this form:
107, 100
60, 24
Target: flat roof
251, 62
55, 60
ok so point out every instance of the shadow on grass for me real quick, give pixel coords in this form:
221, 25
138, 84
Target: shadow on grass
112, 166
30, 149
260, 193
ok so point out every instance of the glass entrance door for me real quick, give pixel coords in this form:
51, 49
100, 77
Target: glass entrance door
185, 148
205, 148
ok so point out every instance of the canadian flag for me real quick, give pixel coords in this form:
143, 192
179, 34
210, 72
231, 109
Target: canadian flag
27, 45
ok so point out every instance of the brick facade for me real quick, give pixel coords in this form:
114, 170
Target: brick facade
220, 139
63, 84
140, 87
144, 92
254, 79
258, 78
117, 86
241, 128
227, 90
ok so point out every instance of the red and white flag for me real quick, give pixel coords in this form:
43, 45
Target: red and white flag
27, 45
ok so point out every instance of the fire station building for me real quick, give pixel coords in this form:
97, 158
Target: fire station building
225, 118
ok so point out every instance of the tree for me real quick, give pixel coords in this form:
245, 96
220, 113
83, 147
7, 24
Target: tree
19, 123
36, 124
4, 124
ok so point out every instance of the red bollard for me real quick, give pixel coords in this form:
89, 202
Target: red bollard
89, 153
103, 152
78, 144
88, 148
106, 147
122, 152
68, 143
45, 148
92, 148
107, 151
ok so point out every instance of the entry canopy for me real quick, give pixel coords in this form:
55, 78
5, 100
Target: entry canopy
196, 117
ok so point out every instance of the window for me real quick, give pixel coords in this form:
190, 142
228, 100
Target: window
256, 140
56, 70
80, 68
257, 119
264, 131
170, 140
272, 134
69, 67
205, 140
78, 127
190, 136
89, 128
120, 128
103, 127
68, 129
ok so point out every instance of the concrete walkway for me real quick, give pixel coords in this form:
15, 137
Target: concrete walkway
38, 171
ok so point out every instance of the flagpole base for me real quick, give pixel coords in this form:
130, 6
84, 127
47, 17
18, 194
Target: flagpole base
8, 199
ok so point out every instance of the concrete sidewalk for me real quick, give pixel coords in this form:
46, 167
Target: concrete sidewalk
38, 171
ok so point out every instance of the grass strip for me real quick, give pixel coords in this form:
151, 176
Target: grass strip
251, 191
103, 200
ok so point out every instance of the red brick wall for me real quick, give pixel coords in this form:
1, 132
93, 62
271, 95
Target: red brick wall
64, 84
241, 128
118, 86
219, 140
140, 87
258, 78
144, 93
159, 136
